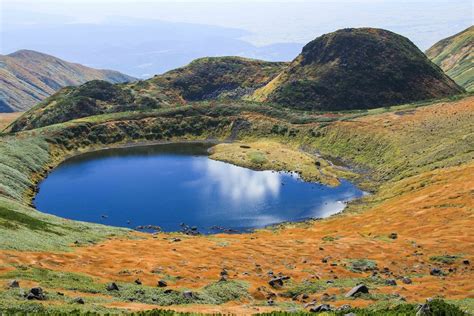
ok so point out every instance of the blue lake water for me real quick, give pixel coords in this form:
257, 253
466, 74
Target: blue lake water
166, 185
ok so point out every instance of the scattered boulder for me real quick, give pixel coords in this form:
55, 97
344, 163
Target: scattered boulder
326, 297
344, 307
112, 287
79, 300
138, 282
264, 293
436, 272
188, 295
391, 282
406, 280
423, 309
13, 284
162, 283
36, 293
224, 275
393, 236
278, 281
466, 262
359, 289
320, 308
313, 303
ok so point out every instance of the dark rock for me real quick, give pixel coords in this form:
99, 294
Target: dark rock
169, 291
138, 282
344, 307
407, 280
162, 283
391, 282
13, 284
304, 296
466, 262
321, 308
361, 288
79, 300
326, 297
423, 309
223, 278
188, 295
112, 287
270, 302
36, 293
436, 272
325, 259
393, 236
278, 281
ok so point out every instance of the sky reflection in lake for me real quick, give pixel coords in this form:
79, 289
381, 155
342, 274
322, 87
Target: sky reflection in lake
169, 185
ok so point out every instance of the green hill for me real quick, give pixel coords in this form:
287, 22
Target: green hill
203, 79
357, 69
455, 55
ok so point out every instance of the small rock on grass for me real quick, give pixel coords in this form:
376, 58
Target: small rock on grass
36, 293
391, 282
436, 272
407, 280
393, 236
278, 281
321, 308
112, 287
361, 288
13, 284
79, 300
162, 283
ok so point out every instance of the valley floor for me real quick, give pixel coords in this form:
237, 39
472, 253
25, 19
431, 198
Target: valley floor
408, 229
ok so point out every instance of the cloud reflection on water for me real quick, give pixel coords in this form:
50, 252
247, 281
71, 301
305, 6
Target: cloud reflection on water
237, 184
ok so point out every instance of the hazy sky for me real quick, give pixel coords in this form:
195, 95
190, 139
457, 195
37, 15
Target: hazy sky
268, 22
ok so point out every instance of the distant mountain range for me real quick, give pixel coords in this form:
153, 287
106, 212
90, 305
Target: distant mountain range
140, 48
455, 55
28, 77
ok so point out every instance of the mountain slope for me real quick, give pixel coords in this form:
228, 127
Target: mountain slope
219, 77
357, 69
27, 77
455, 55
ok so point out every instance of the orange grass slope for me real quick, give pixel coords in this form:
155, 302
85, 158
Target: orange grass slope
431, 213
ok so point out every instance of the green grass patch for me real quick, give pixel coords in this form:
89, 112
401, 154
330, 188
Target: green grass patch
361, 265
257, 157
446, 259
